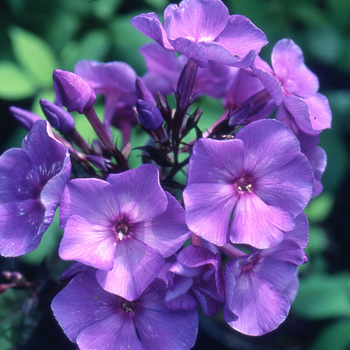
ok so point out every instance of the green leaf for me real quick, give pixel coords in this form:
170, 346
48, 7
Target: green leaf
105, 9
336, 336
323, 296
320, 207
34, 54
158, 4
14, 83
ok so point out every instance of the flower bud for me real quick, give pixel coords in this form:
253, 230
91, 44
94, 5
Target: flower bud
24, 117
60, 119
72, 91
149, 115
143, 93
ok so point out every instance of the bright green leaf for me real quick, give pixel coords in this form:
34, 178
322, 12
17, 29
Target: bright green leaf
14, 83
320, 207
336, 336
323, 296
34, 54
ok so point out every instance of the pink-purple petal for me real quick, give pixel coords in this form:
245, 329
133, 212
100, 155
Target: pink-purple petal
257, 224
149, 24
139, 193
135, 267
88, 243
196, 20
320, 112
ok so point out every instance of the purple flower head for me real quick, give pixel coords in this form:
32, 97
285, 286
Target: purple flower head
116, 81
124, 227
195, 278
72, 91
32, 181
260, 287
302, 103
261, 178
59, 118
203, 30
24, 117
96, 319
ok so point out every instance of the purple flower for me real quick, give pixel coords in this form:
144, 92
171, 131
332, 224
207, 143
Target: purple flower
261, 178
261, 287
307, 108
203, 31
195, 278
124, 227
32, 180
72, 91
24, 117
98, 320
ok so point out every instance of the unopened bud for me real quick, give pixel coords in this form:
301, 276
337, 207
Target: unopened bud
72, 91
149, 115
59, 118
24, 117
143, 93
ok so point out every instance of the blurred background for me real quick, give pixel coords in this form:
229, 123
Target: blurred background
37, 36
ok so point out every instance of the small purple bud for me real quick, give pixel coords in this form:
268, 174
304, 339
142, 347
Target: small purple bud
98, 162
72, 91
238, 116
149, 115
143, 93
24, 117
59, 118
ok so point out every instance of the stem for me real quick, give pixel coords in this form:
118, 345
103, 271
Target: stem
195, 240
232, 251
99, 128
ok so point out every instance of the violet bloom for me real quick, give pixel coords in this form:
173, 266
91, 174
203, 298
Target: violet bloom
261, 287
260, 178
32, 181
204, 31
116, 81
302, 104
195, 279
98, 320
124, 227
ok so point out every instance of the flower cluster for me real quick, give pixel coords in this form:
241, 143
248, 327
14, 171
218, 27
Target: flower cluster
148, 247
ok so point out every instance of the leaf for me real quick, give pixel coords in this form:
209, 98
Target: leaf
320, 207
323, 296
158, 4
14, 83
336, 336
34, 54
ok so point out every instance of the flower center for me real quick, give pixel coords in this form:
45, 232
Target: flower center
128, 306
122, 230
243, 184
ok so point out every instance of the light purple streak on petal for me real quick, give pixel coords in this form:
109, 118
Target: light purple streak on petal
268, 145
167, 330
208, 210
216, 162
195, 20
257, 224
140, 195
288, 187
278, 265
165, 233
88, 243
116, 331
82, 303
300, 234
103, 77
93, 199
320, 112
135, 267
149, 24
288, 63
191, 50
241, 37
260, 307
271, 84
21, 227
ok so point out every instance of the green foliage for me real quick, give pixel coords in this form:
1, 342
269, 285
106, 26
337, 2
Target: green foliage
319, 208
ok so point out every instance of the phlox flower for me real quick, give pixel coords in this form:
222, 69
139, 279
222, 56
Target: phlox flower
32, 180
203, 31
98, 320
247, 190
124, 227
